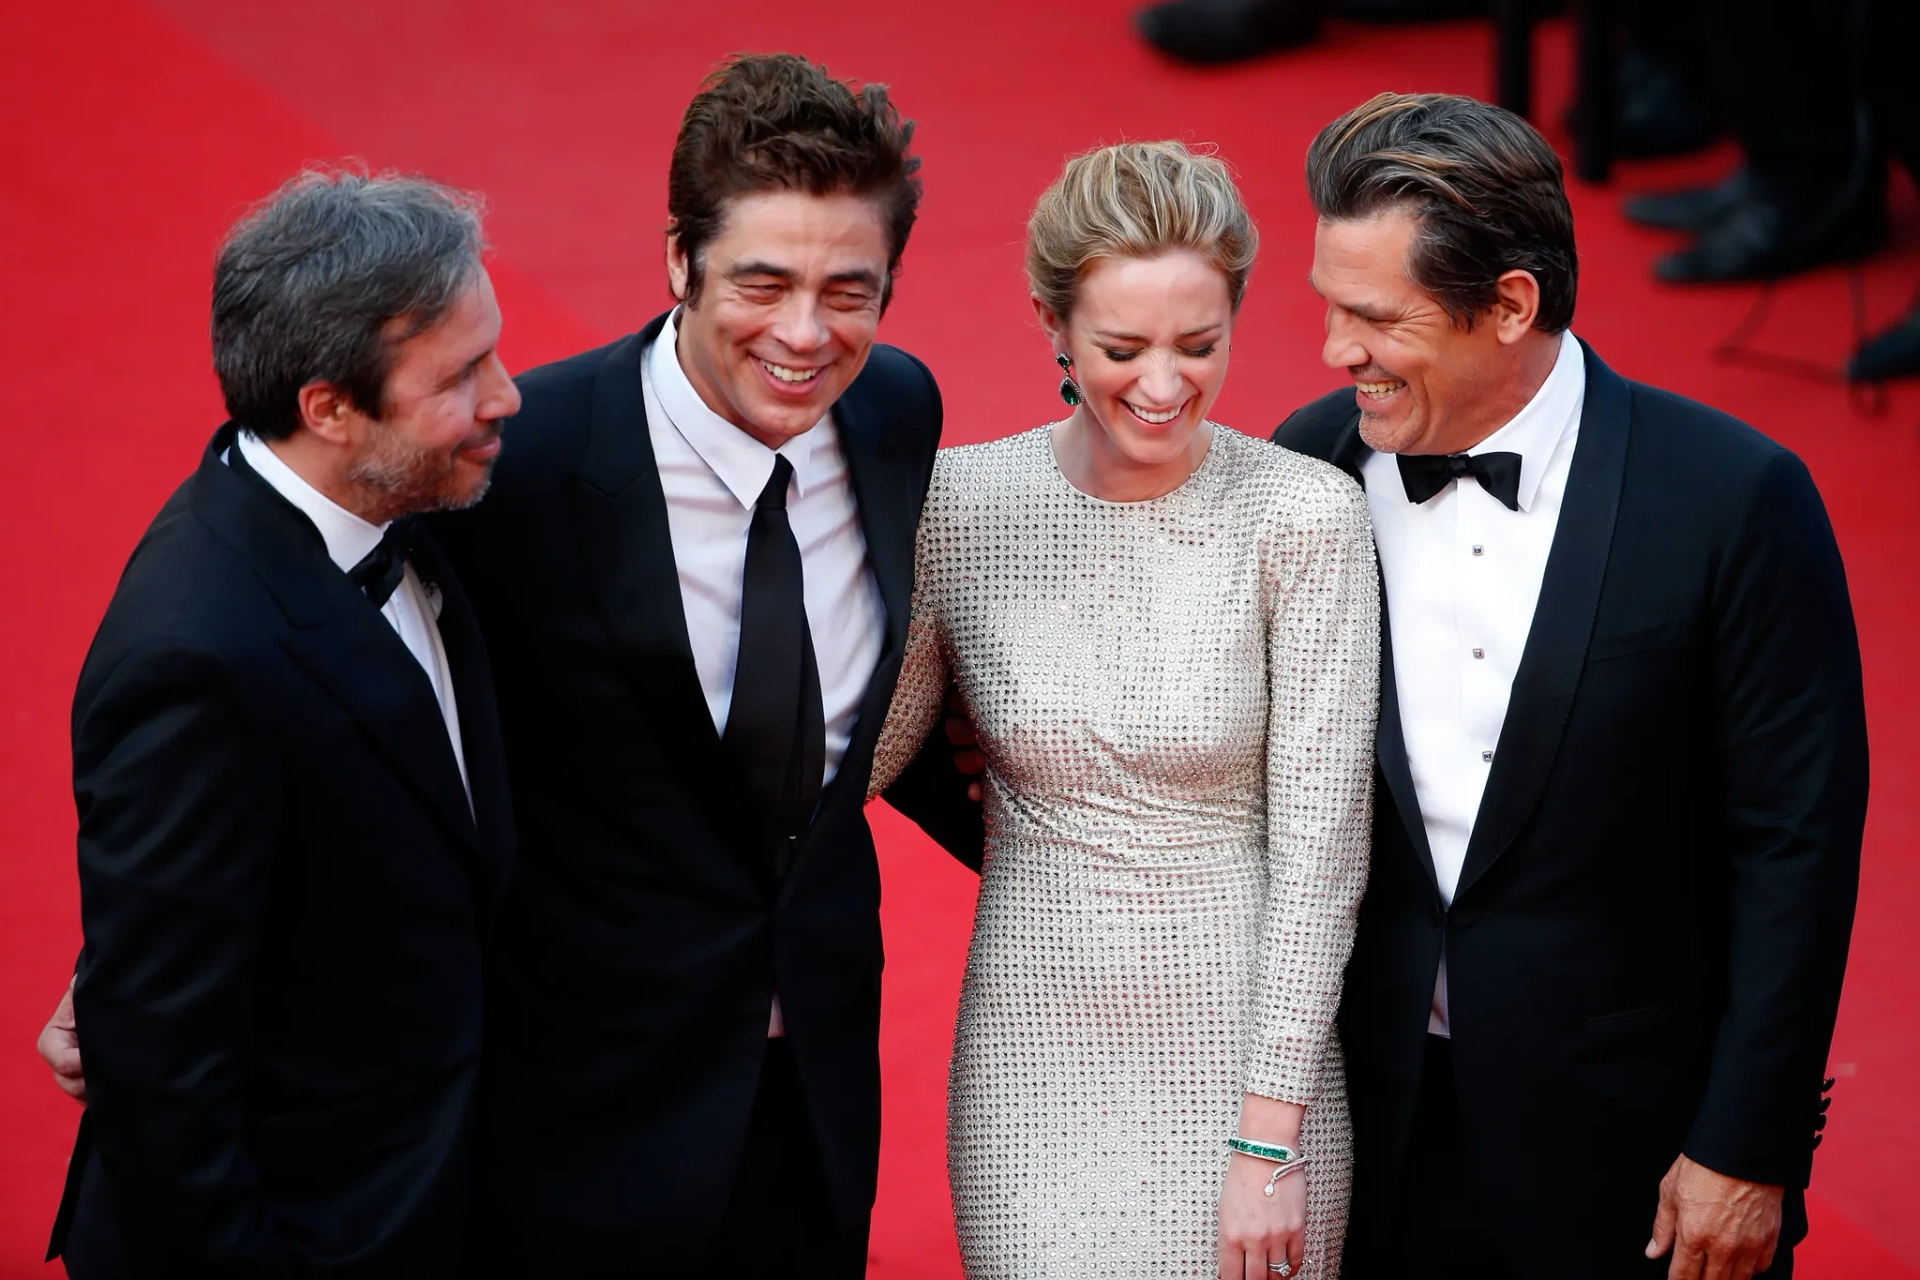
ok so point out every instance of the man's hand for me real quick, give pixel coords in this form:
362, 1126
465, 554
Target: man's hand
60, 1046
1719, 1228
966, 742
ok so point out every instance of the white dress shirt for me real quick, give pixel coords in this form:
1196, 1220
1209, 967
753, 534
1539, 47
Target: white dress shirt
349, 538
712, 473
1463, 576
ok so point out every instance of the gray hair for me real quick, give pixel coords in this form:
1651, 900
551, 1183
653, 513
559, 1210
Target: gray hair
307, 283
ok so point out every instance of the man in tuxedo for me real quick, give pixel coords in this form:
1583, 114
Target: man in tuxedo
293, 819
1622, 750
694, 574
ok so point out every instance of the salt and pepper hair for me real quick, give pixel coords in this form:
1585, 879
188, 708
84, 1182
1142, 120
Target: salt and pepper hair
1137, 200
1486, 189
308, 286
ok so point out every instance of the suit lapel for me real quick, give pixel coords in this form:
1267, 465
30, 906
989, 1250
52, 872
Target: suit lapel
480, 740
1390, 743
1556, 651
622, 514
338, 636
883, 495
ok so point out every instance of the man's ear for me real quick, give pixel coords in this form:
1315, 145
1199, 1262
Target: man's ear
327, 411
1516, 307
679, 268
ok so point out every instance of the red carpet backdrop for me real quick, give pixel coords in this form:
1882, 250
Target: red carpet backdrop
135, 132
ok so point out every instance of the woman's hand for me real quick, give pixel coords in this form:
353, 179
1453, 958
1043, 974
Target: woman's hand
1259, 1232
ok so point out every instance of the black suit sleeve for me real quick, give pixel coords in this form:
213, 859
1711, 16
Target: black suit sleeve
1793, 743
179, 808
932, 794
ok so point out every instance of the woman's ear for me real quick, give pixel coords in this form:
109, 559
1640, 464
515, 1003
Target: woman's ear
1056, 328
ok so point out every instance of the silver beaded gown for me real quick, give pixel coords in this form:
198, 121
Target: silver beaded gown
1176, 699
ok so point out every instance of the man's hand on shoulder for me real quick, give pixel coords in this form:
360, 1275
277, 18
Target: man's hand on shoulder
1719, 1228
60, 1046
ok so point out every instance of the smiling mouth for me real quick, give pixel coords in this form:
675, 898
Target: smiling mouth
1379, 390
788, 374
1157, 417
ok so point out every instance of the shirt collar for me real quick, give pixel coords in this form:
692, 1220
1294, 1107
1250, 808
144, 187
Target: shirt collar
742, 463
348, 537
1536, 431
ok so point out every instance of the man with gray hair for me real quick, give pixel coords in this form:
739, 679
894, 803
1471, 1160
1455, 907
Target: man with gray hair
291, 793
1622, 753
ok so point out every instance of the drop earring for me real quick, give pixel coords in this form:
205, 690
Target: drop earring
1069, 389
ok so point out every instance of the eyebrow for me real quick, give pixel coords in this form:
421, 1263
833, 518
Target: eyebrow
859, 276
467, 368
1134, 337
1375, 314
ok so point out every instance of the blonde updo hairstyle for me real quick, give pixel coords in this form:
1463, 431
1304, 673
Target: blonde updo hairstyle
1137, 200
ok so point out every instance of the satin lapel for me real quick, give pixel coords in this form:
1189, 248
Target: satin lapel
622, 514
338, 636
1556, 651
479, 714
1390, 743
883, 491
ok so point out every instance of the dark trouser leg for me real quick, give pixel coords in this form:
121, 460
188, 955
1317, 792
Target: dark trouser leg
779, 1215
1783, 69
779, 1219
1437, 1232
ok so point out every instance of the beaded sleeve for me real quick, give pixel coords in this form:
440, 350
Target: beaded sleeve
1323, 672
924, 677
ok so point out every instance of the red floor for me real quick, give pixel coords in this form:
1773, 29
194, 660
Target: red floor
136, 131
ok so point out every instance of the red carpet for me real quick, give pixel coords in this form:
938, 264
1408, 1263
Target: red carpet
137, 131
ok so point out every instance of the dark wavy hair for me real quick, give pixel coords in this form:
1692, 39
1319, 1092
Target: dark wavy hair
1487, 191
777, 122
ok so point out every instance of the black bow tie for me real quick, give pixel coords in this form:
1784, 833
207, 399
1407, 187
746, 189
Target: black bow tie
381, 569
1425, 474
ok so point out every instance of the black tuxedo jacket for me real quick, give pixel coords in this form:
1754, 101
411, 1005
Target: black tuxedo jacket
645, 934
1645, 950
283, 892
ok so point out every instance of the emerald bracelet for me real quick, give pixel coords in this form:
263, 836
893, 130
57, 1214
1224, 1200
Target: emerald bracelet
1263, 1150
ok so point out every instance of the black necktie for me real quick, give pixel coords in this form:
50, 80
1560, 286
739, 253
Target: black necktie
776, 729
1425, 474
381, 569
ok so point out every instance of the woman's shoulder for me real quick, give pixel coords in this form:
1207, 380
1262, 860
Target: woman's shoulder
1292, 486
967, 470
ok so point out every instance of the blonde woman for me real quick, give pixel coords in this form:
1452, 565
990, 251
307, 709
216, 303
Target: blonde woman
1167, 635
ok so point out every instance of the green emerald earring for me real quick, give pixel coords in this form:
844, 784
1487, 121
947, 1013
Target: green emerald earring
1069, 390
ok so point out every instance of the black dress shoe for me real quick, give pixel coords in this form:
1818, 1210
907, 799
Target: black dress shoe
1766, 238
1215, 31
1892, 354
1690, 209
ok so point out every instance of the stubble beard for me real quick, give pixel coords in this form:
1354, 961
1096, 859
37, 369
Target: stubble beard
400, 478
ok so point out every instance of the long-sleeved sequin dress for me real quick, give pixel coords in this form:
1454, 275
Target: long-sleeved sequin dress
1176, 699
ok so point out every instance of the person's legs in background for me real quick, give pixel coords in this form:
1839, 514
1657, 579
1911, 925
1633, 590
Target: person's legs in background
1892, 36
1812, 186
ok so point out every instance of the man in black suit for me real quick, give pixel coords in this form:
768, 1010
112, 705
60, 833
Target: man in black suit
1622, 751
694, 575
293, 818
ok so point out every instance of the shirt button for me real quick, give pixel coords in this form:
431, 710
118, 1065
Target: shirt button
1478, 549
1479, 653
1486, 757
